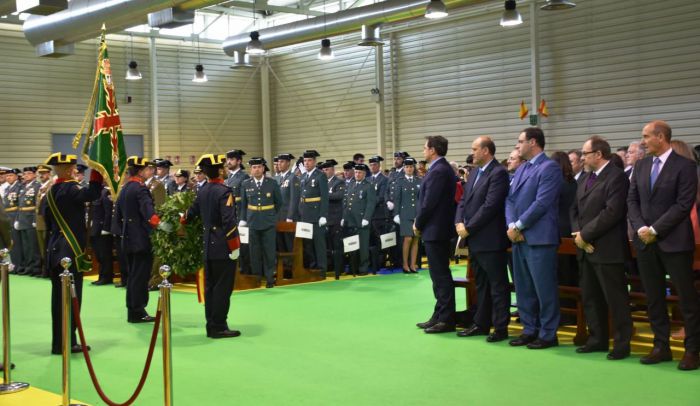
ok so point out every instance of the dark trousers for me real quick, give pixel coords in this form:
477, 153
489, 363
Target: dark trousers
492, 289
359, 260
219, 276
315, 250
56, 305
41, 240
262, 252
438, 253
536, 289
30, 251
244, 260
653, 266
334, 240
16, 252
137, 285
603, 289
123, 263
377, 256
102, 244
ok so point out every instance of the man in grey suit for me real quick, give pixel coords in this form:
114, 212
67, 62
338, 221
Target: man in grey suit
599, 225
662, 193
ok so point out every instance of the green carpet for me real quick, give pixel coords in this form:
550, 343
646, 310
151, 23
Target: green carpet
343, 342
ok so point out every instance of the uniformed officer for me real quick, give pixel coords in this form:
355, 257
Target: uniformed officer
137, 217
163, 172
406, 191
289, 188
155, 186
313, 208
336, 193
260, 201
275, 167
180, 185
348, 173
116, 230
215, 204
80, 175
236, 176
396, 172
64, 212
200, 178
101, 237
44, 173
380, 220
358, 208
11, 202
26, 223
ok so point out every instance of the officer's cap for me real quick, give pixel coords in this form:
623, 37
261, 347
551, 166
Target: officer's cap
162, 163
137, 162
349, 165
257, 161
197, 169
376, 159
361, 167
4, 170
275, 158
311, 153
182, 173
285, 157
43, 168
401, 154
409, 161
29, 169
330, 163
235, 153
81, 168
60, 158
16, 171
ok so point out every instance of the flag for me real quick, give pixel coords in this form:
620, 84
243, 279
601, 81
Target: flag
523, 110
104, 149
544, 112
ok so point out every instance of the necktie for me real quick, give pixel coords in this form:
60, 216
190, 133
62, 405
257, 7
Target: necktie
257, 183
655, 171
591, 180
478, 175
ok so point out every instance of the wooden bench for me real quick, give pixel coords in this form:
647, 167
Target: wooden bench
299, 273
567, 247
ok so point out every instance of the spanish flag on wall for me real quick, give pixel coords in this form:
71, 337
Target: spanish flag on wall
523, 110
544, 112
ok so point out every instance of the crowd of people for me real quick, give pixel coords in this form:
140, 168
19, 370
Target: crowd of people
646, 193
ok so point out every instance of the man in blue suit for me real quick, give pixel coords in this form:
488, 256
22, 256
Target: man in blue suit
435, 224
533, 228
481, 220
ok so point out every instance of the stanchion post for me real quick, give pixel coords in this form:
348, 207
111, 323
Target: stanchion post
7, 386
66, 327
165, 288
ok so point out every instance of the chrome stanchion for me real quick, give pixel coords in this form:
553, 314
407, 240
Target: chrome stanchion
7, 386
66, 328
165, 288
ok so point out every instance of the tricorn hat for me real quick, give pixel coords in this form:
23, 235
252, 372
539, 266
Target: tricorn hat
60, 158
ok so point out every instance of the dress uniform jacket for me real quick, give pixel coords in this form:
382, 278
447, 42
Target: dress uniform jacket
313, 204
358, 204
174, 188
26, 222
405, 199
11, 202
259, 207
26, 216
336, 193
5, 236
158, 192
289, 187
234, 182
102, 241
381, 188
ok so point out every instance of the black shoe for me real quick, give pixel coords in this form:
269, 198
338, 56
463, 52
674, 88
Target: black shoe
523, 339
657, 355
617, 354
497, 336
144, 319
100, 283
472, 331
73, 349
426, 324
2, 367
224, 334
413, 271
337, 277
269, 285
440, 327
120, 285
405, 271
591, 348
541, 344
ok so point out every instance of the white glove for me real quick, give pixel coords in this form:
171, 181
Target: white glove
234, 254
289, 221
342, 222
103, 232
322, 221
242, 223
16, 225
164, 226
365, 223
390, 205
33, 225
397, 219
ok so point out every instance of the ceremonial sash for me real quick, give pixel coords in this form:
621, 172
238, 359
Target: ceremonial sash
81, 261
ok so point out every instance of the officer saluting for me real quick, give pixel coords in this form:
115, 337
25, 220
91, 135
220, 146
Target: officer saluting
215, 204
358, 208
136, 217
260, 200
64, 213
313, 208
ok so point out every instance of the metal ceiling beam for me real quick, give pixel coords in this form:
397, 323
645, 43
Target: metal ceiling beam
260, 6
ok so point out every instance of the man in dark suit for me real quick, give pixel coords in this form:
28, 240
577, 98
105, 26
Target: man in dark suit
599, 225
216, 205
662, 193
435, 224
532, 218
481, 219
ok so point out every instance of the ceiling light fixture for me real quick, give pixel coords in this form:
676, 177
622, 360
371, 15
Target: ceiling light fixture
326, 53
255, 47
511, 16
435, 9
557, 5
132, 73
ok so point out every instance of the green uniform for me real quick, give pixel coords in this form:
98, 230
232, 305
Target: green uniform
313, 205
26, 229
358, 205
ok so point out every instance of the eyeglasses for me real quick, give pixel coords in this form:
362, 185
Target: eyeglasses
584, 153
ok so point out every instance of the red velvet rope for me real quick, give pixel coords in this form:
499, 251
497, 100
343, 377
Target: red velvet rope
88, 361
